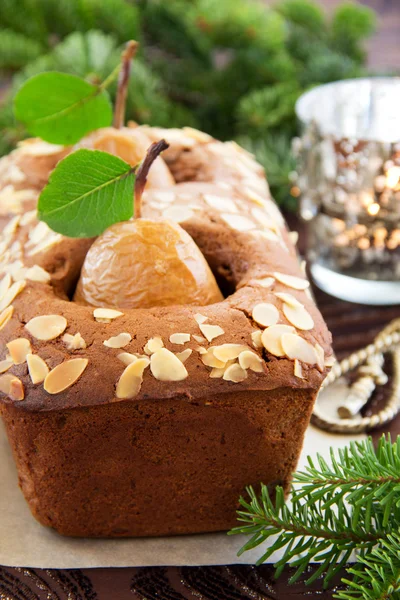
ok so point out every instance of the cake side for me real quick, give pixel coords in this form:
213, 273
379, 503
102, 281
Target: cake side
143, 468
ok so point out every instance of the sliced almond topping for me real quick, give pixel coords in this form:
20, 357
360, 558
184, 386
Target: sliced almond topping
199, 338
127, 358
298, 371
238, 222
210, 360
211, 332
271, 338
28, 218
291, 281
288, 299
218, 373
38, 370
5, 365
201, 350
118, 341
298, 316
46, 327
251, 360
220, 203
12, 293
12, 386
130, 382
197, 135
330, 361
35, 273
265, 314
64, 375
38, 233
227, 352
11, 226
256, 338
295, 346
106, 315
200, 318
294, 237
153, 345
179, 214
165, 366
5, 316
235, 373
265, 282
179, 338
19, 349
74, 342
268, 235
184, 355
5, 285
321, 356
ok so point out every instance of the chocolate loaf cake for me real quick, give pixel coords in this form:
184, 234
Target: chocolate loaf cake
151, 421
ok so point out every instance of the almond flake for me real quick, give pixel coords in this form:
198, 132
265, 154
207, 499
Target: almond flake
235, 373
74, 342
179, 338
227, 352
298, 371
46, 327
106, 315
265, 314
127, 358
268, 235
153, 345
19, 349
197, 135
201, 350
210, 360
184, 355
199, 338
321, 356
330, 361
5, 284
178, 213
11, 226
254, 196
28, 218
200, 318
36, 273
294, 237
238, 222
38, 234
165, 366
296, 283
256, 339
218, 373
12, 386
298, 316
288, 299
118, 341
271, 338
295, 346
64, 375
211, 332
266, 282
5, 316
251, 360
130, 382
5, 365
11, 293
38, 370
220, 203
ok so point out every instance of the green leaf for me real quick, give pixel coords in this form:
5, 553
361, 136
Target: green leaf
87, 192
62, 108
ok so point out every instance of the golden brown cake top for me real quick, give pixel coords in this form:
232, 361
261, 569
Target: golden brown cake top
267, 333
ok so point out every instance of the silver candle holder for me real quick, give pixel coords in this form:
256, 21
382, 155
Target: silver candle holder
349, 176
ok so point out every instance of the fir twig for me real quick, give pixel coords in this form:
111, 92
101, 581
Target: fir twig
350, 506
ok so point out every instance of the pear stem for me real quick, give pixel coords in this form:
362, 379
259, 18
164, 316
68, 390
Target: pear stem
123, 80
141, 174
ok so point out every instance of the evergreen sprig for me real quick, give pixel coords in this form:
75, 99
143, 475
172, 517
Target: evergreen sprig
199, 60
349, 506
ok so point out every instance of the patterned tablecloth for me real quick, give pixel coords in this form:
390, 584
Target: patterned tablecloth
352, 326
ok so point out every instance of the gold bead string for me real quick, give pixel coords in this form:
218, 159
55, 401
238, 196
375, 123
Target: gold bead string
370, 361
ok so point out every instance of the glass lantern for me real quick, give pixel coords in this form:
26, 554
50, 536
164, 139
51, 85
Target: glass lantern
349, 176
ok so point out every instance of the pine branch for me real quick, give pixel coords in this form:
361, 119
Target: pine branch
351, 505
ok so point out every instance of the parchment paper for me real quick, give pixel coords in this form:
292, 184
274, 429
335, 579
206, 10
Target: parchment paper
26, 543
